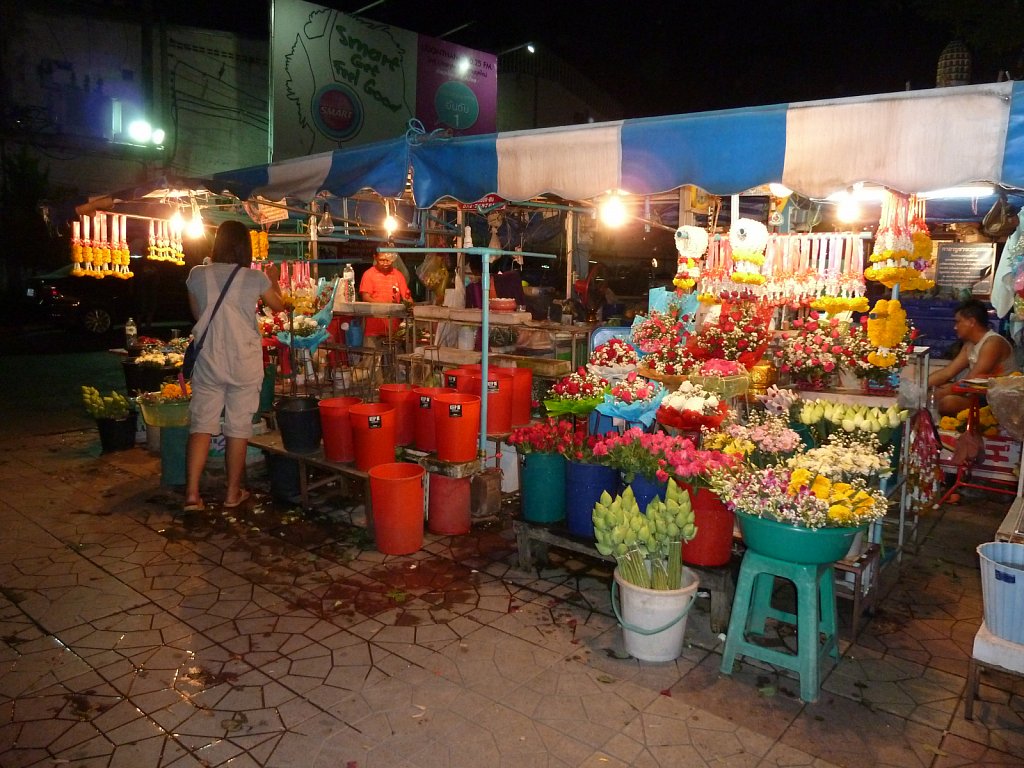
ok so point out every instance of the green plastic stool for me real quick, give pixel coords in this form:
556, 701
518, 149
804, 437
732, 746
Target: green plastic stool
815, 617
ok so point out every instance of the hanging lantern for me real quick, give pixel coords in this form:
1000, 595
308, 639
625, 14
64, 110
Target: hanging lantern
954, 66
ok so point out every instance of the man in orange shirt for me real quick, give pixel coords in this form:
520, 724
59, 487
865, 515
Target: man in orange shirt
382, 284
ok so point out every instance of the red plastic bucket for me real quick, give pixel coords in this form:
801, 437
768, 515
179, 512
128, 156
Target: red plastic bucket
713, 543
458, 378
373, 434
424, 427
337, 428
402, 398
456, 426
448, 505
396, 495
499, 398
522, 395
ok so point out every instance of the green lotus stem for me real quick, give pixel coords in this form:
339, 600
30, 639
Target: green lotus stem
675, 564
659, 575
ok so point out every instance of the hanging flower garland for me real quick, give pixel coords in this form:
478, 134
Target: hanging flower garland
691, 244
260, 244
748, 239
833, 305
903, 246
887, 326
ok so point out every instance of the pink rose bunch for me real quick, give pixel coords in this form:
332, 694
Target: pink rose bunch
634, 389
814, 350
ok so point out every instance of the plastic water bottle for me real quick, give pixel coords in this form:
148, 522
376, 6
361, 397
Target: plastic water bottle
131, 334
348, 284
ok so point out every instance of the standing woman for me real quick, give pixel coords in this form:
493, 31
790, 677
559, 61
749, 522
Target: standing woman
229, 370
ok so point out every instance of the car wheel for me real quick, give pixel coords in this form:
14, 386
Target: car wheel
96, 320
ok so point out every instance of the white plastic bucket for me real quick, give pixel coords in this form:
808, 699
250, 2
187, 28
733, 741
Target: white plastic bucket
654, 620
1002, 588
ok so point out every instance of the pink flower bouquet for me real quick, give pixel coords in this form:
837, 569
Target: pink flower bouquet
577, 394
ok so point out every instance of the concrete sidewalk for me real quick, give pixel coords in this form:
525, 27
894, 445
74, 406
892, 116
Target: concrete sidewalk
266, 636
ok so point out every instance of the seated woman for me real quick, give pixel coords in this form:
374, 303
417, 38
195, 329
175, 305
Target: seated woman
984, 353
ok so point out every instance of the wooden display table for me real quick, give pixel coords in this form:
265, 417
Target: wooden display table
718, 581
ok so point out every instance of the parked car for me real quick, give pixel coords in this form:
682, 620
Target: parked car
156, 293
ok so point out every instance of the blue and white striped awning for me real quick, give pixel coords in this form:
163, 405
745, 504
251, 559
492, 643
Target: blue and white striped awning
382, 166
913, 141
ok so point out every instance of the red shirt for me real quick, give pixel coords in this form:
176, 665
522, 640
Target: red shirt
383, 289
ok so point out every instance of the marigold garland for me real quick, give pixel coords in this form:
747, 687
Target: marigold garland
887, 326
833, 305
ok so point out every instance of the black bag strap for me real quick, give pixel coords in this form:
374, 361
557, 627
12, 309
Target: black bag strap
220, 299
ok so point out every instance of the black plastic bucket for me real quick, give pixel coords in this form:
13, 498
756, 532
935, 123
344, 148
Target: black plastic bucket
284, 478
117, 434
298, 418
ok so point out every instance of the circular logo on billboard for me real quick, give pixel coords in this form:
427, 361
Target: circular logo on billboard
337, 111
456, 105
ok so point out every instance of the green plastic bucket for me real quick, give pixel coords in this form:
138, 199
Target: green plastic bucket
542, 484
793, 543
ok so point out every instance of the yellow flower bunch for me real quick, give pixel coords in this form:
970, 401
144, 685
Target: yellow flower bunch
173, 391
708, 298
986, 421
683, 282
833, 305
727, 444
752, 257
850, 504
748, 278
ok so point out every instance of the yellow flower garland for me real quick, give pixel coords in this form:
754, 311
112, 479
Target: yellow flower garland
833, 305
887, 326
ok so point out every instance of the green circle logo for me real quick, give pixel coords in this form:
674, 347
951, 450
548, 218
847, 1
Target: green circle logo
456, 105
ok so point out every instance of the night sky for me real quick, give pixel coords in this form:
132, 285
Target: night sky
675, 57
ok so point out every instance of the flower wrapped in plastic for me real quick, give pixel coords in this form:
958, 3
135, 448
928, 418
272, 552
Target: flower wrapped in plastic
577, 394
306, 333
613, 360
691, 408
634, 400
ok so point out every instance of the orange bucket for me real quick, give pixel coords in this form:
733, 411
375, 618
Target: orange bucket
499, 398
458, 378
402, 398
522, 395
448, 505
396, 498
337, 427
424, 402
456, 426
373, 434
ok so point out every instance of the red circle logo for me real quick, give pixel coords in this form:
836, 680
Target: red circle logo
337, 111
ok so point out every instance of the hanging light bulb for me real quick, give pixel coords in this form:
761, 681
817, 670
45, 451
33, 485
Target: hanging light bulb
390, 222
326, 225
613, 211
195, 225
847, 208
177, 222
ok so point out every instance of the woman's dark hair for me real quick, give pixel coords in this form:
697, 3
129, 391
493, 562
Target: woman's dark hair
232, 244
972, 309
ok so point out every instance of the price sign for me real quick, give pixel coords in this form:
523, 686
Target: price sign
969, 266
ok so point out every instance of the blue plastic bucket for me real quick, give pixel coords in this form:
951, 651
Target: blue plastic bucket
584, 484
173, 446
645, 489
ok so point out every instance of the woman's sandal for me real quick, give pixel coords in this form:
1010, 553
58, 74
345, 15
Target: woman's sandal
194, 506
243, 497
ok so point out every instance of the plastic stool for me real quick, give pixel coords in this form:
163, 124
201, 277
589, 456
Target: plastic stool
816, 613
990, 653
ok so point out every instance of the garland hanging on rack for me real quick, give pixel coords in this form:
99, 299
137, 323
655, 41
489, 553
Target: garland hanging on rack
903, 246
887, 326
691, 244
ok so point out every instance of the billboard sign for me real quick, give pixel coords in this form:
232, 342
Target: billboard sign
340, 80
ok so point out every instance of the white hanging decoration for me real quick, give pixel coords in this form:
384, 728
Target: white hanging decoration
691, 244
748, 239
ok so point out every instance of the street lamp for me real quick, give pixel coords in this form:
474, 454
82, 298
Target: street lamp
530, 48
